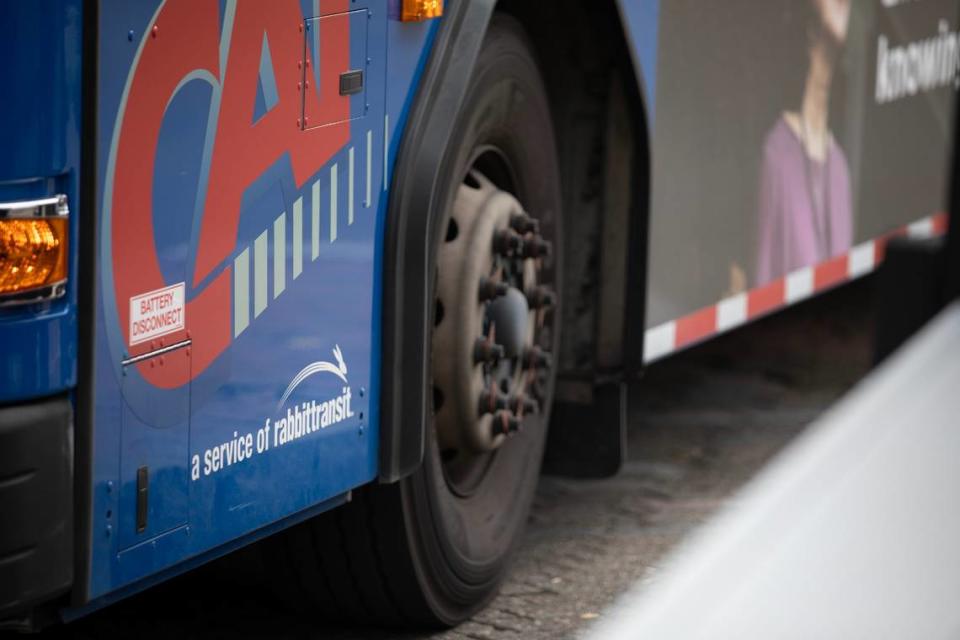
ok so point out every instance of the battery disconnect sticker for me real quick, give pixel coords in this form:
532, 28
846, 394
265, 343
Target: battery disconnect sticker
157, 313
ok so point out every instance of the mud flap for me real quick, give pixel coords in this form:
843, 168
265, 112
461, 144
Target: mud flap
589, 440
909, 290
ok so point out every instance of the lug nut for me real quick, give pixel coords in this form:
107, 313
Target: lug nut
536, 358
491, 400
522, 223
522, 404
491, 289
536, 247
506, 242
541, 297
505, 423
486, 351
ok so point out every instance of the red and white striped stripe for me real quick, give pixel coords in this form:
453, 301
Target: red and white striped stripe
729, 313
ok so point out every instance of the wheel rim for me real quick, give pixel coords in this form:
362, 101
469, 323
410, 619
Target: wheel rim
492, 329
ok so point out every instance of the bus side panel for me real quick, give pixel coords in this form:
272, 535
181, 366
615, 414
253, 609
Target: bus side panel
242, 160
39, 129
754, 207
40, 120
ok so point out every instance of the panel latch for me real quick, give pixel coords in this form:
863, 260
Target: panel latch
351, 82
142, 495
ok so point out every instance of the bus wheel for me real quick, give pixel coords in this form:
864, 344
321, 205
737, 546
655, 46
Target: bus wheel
432, 549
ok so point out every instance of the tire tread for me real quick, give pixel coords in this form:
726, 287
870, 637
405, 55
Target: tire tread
341, 566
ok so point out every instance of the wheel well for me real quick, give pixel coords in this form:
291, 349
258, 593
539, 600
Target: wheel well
595, 100
601, 125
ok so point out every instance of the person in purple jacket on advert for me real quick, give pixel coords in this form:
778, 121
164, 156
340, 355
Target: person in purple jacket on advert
805, 205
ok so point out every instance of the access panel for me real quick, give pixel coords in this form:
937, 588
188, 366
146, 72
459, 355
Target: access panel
340, 39
237, 296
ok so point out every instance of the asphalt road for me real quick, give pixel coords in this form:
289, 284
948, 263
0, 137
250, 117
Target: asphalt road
701, 424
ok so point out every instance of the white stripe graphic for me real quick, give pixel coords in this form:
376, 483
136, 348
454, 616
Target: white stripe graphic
260, 274
799, 284
315, 226
732, 312
860, 260
333, 202
368, 199
659, 341
297, 237
279, 254
241, 292
350, 192
921, 228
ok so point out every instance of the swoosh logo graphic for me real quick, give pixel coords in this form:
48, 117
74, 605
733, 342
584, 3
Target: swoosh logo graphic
339, 369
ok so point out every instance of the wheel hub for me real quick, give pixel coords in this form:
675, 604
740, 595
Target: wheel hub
489, 309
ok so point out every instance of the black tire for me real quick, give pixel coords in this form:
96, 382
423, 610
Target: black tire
416, 553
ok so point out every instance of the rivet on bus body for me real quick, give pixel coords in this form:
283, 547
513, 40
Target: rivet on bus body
130, 35
109, 486
108, 530
155, 30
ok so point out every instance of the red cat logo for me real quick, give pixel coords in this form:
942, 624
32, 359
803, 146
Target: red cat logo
184, 39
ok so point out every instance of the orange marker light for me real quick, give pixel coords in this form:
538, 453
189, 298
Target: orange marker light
416, 10
33, 246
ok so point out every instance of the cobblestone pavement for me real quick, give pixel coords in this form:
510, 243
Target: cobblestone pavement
701, 424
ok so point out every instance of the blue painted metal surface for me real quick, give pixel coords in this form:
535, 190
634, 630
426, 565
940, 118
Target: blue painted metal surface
40, 156
641, 20
263, 204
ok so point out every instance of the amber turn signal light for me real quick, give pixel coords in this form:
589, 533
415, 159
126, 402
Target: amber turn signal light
416, 10
33, 249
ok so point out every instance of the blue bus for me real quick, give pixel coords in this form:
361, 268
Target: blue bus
313, 277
